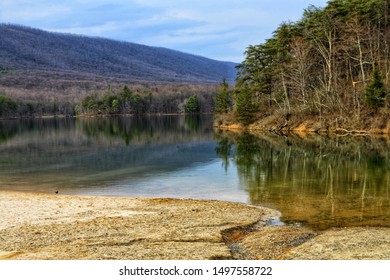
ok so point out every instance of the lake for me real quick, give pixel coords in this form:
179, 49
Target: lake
316, 181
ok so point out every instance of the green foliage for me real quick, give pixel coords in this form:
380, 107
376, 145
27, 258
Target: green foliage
308, 66
138, 103
90, 103
125, 94
115, 105
375, 91
7, 106
148, 100
245, 106
256, 69
192, 105
223, 99
257, 72
110, 104
125, 102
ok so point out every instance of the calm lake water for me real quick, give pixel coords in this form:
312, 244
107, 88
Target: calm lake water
314, 180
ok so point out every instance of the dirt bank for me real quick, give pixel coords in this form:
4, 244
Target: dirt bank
42, 226
366, 124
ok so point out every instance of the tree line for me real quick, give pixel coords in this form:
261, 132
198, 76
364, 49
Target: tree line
116, 101
334, 61
15, 108
127, 102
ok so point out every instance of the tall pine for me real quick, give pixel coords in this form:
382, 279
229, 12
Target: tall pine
246, 108
375, 91
222, 99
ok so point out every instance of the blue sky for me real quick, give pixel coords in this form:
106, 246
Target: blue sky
215, 29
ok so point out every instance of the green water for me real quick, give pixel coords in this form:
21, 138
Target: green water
318, 181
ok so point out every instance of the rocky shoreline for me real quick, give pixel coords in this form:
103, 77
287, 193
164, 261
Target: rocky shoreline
60, 227
306, 124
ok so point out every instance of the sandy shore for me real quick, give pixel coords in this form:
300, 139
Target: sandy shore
43, 226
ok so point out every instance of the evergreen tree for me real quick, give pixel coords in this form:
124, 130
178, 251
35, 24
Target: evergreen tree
246, 108
222, 99
375, 90
192, 106
7, 106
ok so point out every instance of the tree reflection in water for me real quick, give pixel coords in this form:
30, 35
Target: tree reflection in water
321, 181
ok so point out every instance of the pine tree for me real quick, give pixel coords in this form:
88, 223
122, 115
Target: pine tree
192, 106
246, 108
375, 90
222, 99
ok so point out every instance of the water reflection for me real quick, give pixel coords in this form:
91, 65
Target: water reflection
147, 128
314, 180
70, 154
320, 181
7, 131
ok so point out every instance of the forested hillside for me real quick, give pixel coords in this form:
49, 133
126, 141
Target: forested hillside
332, 66
44, 73
25, 48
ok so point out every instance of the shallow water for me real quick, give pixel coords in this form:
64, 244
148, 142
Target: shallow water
313, 180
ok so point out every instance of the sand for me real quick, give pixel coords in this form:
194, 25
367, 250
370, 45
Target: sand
42, 226
60, 227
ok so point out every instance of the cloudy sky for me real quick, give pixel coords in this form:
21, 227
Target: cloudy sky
218, 29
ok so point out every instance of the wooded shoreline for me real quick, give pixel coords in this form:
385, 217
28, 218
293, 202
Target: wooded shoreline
329, 125
327, 72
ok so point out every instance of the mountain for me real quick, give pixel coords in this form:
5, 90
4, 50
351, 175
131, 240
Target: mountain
25, 49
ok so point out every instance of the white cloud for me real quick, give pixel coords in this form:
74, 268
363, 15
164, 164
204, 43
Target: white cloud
213, 28
94, 30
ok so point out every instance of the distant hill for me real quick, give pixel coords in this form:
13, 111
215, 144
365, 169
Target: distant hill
24, 48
